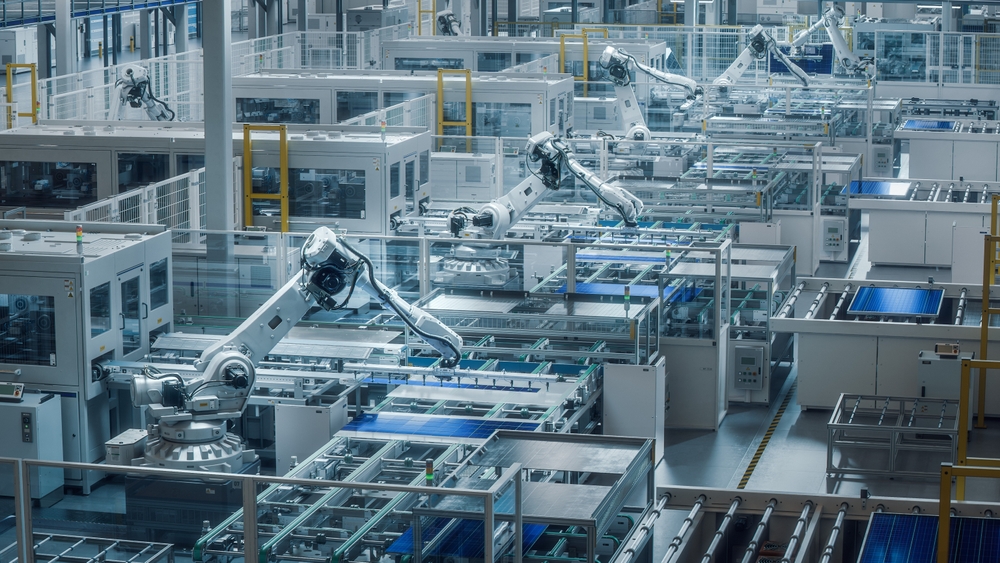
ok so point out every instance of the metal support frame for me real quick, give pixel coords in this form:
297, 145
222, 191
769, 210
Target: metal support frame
990, 256
33, 114
962, 460
944, 506
248, 195
586, 52
467, 123
420, 16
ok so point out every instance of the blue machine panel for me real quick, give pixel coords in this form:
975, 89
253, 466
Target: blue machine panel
897, 301
440, 426
816, 59
913, 538
928, 125
897, 189
464, 540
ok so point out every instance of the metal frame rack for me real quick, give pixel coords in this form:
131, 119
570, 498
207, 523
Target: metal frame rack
877, 435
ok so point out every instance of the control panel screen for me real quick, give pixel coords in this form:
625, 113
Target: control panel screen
748, 361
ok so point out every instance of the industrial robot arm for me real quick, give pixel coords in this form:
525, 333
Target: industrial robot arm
495, 218
447, 23
132, 89
617, 63
759, 43
830, 20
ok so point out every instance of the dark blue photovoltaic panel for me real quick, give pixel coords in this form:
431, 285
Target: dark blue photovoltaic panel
427, 425
877, 188
464, 540
903, 301
928, 125
912, 538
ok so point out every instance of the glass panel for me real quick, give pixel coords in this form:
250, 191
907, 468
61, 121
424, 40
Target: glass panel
393, 98
406, 63
425, 167
47, 184
493, 62
502, 120
527, 57
394, 180
189, 162
100, 309
277, 110
353, 104
158, 288
137, 170
131, 337
27, 329
323, 193
8, 531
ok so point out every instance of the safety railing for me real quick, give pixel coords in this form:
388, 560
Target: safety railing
19, 477
948, 471
177, 203
542, 65
418, 112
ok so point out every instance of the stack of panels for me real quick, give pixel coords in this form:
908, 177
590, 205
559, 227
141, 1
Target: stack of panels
897, 301
465, 539
913, 538
440, 426
455, 385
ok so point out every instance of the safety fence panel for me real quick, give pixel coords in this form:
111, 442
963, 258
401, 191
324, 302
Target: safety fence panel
542, 65
418, 112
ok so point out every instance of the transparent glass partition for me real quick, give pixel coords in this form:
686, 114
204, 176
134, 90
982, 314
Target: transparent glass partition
8, 528
695, 283
47, 184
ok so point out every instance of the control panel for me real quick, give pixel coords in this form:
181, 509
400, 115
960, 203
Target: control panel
881, 161
26, 429
11, 392
834, 233
749, 365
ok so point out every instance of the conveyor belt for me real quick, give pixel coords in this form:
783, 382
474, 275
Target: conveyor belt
440, 426
464, 540
455, 385
637, 290
897, 301
927, 125
913, 538
877, 188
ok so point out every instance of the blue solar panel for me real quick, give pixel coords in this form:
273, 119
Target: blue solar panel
671, 293
877, 188
913, 538
464, 540
928, 125
896, 301
428, 425
630, 258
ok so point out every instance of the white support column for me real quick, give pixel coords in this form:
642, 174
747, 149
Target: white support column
44, 51
271, 14
690, 7
65, 38
142, 36
300, 19
217, 72
946, 17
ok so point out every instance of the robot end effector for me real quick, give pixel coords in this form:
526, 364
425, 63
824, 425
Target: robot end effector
332, 270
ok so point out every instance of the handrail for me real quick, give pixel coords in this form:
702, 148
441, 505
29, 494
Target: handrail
944, 506
962, 458
248, 194
11, 112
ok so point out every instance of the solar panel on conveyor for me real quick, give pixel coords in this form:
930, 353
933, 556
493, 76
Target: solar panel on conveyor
928, 125
440, 426
465, 539
877, 188
897, 301
455, 385
913, 538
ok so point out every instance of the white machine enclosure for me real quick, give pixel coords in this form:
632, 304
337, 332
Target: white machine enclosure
463, 177
498, 53
364, 18
289, 421
110, 293
18, 45
507, 104
870, 357
635, 401
38, 420
311, 149
965, 149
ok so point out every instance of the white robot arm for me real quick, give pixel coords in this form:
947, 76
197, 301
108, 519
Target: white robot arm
759, 44
495, 218
851, 62
618, 62
192, 412
132, 89
447, 23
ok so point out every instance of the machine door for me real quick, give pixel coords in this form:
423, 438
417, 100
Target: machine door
134, 313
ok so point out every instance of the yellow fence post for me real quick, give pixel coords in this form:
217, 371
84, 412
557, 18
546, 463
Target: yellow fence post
944, 503
248, 194
467, 122
33, 114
